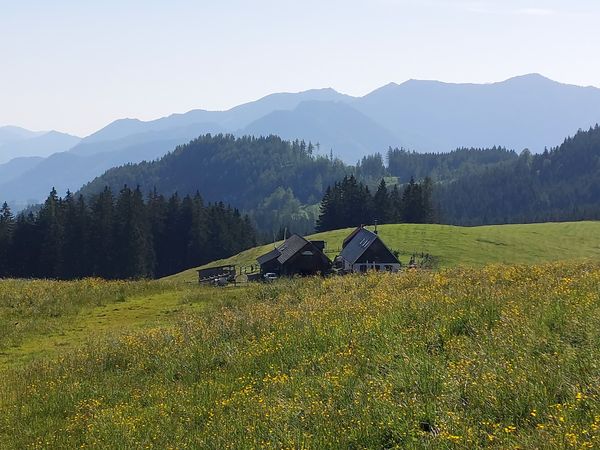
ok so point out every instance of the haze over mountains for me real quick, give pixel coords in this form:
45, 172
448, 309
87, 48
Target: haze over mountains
523, 112
17, 142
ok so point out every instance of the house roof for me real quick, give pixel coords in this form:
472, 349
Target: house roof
285, 251
290, 247
359, 241
351, 235
268, 256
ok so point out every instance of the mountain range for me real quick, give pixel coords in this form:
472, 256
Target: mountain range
16, 142
529, 111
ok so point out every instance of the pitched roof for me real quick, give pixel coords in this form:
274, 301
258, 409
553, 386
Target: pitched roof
290, 247
268, 256
285, 251
351, 235
359, 242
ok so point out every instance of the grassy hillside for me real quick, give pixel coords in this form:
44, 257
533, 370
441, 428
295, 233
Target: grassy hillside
469, 246
40, 318
497, 357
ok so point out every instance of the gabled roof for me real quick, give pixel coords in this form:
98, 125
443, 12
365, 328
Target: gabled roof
357, 243
268, 256
351, 235
286, 250
290, 247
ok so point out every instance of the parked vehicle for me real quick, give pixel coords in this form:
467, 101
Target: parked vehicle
270, 277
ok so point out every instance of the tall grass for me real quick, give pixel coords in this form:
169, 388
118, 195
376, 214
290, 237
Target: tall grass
34, 307
499, 357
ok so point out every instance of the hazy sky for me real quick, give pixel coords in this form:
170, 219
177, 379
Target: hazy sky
76, 65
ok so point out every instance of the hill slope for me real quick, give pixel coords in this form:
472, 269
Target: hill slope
498, 357
240, 171
457, 246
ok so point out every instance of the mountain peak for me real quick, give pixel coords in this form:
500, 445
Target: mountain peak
529, 78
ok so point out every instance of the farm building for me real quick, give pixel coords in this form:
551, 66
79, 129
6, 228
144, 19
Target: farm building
364, 250
296, 256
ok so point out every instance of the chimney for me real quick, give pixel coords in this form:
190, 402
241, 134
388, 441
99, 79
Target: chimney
375, 226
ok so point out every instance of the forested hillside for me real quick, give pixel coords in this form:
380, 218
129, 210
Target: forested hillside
405, 164
557, 185
279, 183
262, 176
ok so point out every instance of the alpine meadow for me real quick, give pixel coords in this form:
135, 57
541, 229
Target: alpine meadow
204, 245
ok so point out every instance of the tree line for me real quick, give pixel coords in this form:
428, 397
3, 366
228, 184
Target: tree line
350, 203
560, 184
119, 236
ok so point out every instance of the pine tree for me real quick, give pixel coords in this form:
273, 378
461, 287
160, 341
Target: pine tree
76, 240
134, 251
395, 215
324, 222
382, 204
51, 227
7, 223
102, 235
157, 217
25, 248
197, 239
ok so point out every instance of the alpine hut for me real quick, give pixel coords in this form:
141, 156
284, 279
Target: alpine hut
364, 250
296, 256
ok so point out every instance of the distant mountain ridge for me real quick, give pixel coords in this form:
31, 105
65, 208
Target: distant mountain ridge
18, 142
528, 111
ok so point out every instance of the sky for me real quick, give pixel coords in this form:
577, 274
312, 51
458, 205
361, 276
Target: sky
75, 66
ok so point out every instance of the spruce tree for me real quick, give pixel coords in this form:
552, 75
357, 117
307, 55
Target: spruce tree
381, 204
102, 235
76, 255
7, 223
51, 227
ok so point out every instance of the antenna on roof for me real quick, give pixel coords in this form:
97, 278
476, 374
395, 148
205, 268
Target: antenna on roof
375, 226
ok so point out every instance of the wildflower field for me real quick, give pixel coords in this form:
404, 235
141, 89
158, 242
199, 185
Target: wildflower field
493, 357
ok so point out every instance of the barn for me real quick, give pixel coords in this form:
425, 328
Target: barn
296, 256
364, 250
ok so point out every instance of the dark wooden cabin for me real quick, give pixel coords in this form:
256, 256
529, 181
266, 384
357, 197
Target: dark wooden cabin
296, 256
364, 250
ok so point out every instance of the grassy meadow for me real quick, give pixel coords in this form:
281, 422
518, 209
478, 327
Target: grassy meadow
452, 246
501, 356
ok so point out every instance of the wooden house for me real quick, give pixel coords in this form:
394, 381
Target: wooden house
364, 250
296, 256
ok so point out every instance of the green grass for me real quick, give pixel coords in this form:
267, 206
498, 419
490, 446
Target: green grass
464, 357
43, 318
498, 357
467, 246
